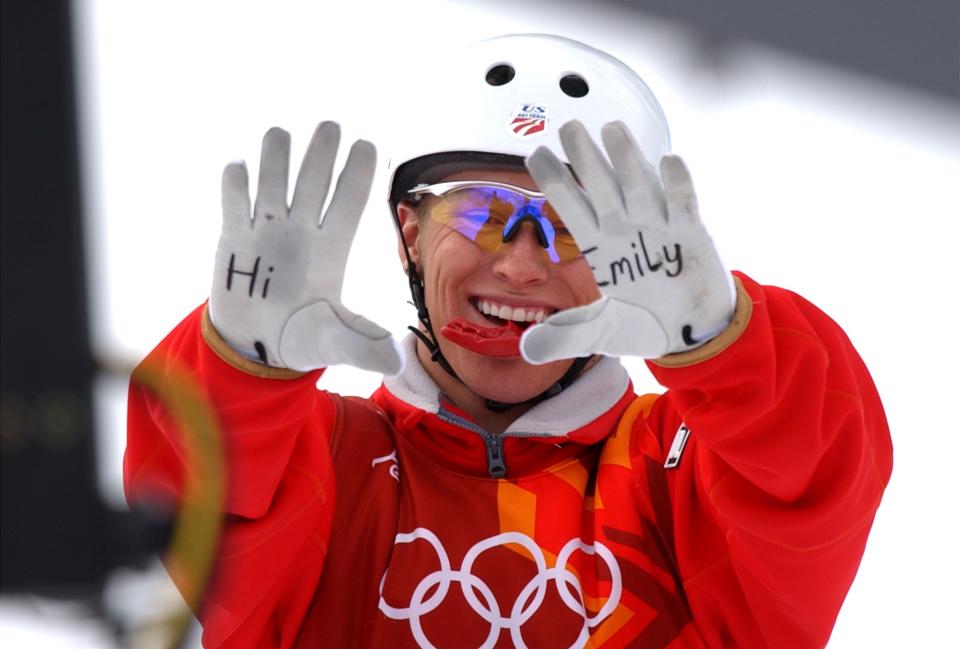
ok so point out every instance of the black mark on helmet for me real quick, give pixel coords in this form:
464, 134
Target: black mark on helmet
500, 75
574, 85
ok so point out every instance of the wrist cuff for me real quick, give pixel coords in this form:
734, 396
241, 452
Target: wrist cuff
741, 317
237, 360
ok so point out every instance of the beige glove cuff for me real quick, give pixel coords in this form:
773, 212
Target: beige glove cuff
741, 317
237, 360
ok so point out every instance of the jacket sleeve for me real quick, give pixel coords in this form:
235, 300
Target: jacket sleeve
787, 459
278, 501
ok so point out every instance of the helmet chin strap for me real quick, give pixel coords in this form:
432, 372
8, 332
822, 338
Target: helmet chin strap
429, 340
571, 375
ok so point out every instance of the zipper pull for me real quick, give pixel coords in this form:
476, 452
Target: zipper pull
495, 465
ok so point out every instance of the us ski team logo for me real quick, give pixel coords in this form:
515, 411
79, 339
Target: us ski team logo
527, 121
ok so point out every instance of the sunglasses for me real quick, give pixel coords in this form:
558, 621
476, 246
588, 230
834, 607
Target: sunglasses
490, 214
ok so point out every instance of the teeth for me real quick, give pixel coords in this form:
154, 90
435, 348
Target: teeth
517, 314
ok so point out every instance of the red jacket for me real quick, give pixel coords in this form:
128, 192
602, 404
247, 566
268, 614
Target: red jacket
375, 522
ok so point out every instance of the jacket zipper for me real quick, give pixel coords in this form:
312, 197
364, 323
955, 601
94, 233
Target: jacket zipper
496, 462
496, 465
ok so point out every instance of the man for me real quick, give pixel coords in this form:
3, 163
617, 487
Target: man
505, 486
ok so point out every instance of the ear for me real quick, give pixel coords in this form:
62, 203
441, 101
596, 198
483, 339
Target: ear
409, 233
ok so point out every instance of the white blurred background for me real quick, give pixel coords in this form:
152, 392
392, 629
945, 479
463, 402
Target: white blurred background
839, 186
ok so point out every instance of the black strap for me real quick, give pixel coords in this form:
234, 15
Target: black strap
435, 354
562, 384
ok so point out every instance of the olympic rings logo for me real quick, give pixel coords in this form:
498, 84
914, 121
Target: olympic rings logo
524, 606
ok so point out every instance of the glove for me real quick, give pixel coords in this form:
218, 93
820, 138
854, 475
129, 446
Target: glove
278, 276
664, 288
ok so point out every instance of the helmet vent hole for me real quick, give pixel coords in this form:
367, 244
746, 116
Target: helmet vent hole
574, 85
500, 75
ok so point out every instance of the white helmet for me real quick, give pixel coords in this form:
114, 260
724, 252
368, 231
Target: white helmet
501, 98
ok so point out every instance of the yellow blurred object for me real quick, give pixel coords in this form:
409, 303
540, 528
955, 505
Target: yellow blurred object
197, 528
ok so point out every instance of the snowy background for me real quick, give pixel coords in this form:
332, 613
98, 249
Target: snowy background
842, 188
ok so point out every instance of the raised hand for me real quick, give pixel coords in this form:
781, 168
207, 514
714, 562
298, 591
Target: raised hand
279, 275
664, 287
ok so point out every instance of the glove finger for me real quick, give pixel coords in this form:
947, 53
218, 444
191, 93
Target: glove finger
384, 356
353, 188
327, 333
313, 182
558, 184
371, 347
271, 200
235, 197
607, 326
638, 180
594, 172
681, 197
562, 335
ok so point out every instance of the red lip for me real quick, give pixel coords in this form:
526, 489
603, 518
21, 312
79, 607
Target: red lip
502, 341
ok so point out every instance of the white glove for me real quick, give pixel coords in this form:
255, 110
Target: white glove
664, 287
278, 276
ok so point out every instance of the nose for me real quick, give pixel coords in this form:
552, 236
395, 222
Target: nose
522, 261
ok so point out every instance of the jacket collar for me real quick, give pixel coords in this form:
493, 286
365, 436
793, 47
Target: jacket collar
591, 396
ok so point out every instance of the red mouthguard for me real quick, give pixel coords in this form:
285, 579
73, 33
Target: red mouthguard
502, 341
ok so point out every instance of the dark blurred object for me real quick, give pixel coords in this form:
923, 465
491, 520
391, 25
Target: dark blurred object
57, 537
912, 42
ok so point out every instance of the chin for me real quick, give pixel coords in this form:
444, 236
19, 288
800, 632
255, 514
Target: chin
511, 380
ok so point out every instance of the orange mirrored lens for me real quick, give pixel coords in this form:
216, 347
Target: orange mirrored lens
482, 214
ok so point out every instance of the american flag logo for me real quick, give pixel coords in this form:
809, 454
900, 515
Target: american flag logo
528, 120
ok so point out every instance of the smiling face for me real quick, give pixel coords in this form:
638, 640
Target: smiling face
516, 282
